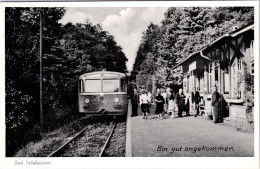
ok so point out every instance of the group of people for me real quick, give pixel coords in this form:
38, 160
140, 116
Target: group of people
168, 102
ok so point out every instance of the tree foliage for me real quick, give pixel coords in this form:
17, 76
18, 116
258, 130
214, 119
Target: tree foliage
183, 31
68, 51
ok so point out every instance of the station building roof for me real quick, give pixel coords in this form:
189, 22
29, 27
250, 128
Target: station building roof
227, 36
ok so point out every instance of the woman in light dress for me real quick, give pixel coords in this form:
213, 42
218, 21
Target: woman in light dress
172, 106
144, 103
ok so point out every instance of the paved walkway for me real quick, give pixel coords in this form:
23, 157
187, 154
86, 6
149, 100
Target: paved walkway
188, 137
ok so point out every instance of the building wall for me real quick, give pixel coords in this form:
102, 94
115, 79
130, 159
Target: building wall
225, 70
240, 64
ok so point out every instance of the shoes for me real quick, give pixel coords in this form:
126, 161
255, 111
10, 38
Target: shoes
187, 114
143, 117
195, 115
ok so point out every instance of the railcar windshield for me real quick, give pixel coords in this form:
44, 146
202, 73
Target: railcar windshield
110, 85
92, 86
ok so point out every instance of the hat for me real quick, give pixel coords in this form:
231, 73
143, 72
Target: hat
143, 91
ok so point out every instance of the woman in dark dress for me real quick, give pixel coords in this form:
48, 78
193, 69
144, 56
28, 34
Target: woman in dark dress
135, 101
159, 105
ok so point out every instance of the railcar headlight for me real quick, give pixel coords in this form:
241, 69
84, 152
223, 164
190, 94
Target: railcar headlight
116, 100
86, 100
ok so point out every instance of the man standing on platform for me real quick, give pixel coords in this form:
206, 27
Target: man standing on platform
195, 99
134, 101
215, 103
180, 99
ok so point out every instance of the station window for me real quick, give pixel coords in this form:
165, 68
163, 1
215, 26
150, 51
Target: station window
226, 83
252, 68
233, 80
187, 83
236, 80
238, 85
252, 48
216, 73
239, 64
191, 81
252, 73
210, 79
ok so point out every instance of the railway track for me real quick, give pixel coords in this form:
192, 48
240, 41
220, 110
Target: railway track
65, 148
107, 141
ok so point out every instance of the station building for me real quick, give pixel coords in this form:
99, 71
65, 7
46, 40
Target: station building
223, 63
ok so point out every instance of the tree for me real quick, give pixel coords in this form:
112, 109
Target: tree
22, 69
184, 31
147, 57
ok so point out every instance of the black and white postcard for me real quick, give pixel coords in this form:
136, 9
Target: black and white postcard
132, 81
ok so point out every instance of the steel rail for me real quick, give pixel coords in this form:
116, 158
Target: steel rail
62, 146
108, 139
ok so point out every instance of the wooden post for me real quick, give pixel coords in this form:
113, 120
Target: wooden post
41, 92
204, 34
205, 84
213, 75
220, 80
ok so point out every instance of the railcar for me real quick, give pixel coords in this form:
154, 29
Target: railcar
103, 93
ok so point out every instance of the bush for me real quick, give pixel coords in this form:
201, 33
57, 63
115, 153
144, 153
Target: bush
249, 93
19, 119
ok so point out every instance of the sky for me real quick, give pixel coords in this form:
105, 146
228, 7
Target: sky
125, 24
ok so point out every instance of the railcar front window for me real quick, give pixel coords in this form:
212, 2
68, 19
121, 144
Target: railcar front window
92, 86
110, 86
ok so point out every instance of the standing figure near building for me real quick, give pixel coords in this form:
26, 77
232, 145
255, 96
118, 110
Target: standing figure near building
180, 102
149, 94
195, 99
134, 101
187, 105
159, 105
215, 103
144, 100
164, 94
168, 95
172, 107
157, 90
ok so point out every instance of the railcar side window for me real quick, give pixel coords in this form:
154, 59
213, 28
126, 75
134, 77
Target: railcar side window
81, 87
123, 85
92, 86
110, 85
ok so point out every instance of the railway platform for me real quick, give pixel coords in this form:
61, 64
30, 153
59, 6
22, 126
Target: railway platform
185, 137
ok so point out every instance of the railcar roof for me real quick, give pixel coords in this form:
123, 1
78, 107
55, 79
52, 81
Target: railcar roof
102, 74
